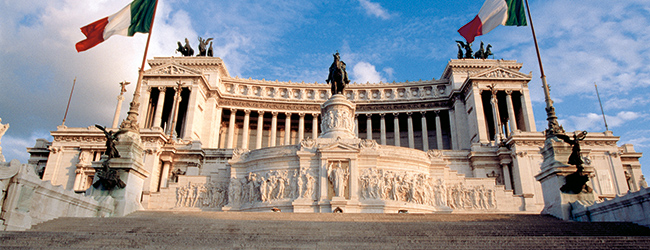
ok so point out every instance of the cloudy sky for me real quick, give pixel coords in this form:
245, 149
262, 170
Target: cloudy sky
582, 43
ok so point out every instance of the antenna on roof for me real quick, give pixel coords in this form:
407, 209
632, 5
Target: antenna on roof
601, 107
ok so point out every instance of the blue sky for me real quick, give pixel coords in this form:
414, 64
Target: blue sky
582, 43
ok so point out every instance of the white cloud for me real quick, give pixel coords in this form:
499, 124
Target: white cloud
374, 9
594, 122
364, 72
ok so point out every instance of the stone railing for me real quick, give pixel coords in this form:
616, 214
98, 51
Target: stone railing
632, 207
27, 200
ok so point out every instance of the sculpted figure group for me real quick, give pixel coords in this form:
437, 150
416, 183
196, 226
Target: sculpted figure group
201, 195
422, 189
186, 50
272, 185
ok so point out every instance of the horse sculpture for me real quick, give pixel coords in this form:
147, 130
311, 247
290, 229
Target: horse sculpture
338, 76
483, 53
202, 44
185, 50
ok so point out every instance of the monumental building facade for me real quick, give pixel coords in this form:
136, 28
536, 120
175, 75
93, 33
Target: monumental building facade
466, 142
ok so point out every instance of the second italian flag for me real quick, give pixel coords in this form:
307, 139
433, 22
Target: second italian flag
135, 17
492, 14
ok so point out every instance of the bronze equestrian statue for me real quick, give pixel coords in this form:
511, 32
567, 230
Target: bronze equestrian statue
338, 76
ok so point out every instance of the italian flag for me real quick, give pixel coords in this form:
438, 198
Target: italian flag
492, 14
135, 17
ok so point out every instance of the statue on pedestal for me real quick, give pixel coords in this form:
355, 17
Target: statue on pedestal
575, 182
338, 76
107, 177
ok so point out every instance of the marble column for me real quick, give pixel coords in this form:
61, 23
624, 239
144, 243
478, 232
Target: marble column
356, 125
452, 129
314, 125
231, 129
287, 128
189, 117
382, 127
425, 132
438, 131
274, 128
164, 176
410, 130
260, 129
512, 119
246, 129
396, 129
157, 119
527, 111
506, 176
369, 126
216, 132
177, 102
301, 126
495, 115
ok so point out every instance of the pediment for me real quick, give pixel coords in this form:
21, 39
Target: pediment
173, 69
501, 72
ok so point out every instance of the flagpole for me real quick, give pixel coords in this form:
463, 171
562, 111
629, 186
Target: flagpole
601, 107
553, 126
69, 98
131, 121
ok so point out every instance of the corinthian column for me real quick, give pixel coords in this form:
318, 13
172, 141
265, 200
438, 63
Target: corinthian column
438, 131
231, 129
260, 129
396, 129
511, 112
274, 128
410, 130
157, 119
382, 128
287, 128
369, 126
425, 133
314, 126
301, 126
245, 132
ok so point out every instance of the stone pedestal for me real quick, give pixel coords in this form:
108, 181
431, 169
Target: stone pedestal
131, 172
303, 205
337, 118
552, 177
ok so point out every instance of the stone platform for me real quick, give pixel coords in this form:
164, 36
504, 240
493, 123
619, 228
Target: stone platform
245, 230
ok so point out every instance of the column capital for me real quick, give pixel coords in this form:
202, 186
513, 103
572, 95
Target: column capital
382, 115
368, 116
274, 113
260, 112
437, 112
149, 89
423, 112
508, 91
409, 113
315, 115
395, 114
288, 114
162, 89
301, 114
247, 111
233, 110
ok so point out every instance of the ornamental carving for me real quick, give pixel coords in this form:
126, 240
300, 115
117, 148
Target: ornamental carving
269, 106
338, 117
368, 144
434, 154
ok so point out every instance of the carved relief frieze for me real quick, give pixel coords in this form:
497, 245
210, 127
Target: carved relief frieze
403, 106
269, 106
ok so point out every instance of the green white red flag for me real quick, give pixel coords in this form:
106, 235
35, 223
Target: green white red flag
492, 14
135, 17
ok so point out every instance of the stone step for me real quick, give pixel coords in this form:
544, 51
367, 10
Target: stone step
227, 230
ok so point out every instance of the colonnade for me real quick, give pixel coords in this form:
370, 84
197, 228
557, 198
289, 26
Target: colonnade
274, 128
501, 123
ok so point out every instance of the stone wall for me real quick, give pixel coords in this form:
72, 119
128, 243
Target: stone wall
27, 200
632, 207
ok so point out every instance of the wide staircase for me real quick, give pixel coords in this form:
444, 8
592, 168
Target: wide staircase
235, 230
